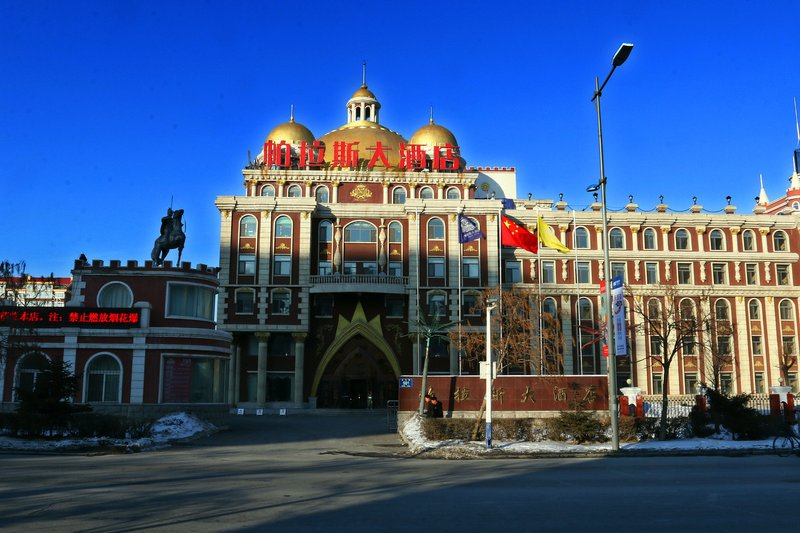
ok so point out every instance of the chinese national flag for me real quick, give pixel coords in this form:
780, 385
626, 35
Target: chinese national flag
512, 234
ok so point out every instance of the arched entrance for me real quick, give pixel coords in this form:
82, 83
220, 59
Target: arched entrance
358, 376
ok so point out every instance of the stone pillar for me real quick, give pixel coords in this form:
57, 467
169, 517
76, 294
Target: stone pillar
263, 343
566, 328
299, 359
233, 374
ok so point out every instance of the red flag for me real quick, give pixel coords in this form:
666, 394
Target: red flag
512, 234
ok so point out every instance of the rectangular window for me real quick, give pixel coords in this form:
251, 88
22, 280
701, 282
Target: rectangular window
782, 272
394, 306
690, 383
282, 265
280, 302
618, 271
793, 381
513, 272
548, 271
658, 384
685, 273
470, 268
194, 380
190, 301
247, 264
582, 272
280, 386
323, 305
755, 343
655, 346
788, 345
437, 305
369, 267
724, 345
751, 273
350, 268
687, 344
759, 383
395, 268
651, 273
719, 273
245, 300
325, 268
469, 306
726, 382
436, 267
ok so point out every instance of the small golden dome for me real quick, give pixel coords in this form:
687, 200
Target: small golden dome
363, 92
291, 132
433, 135
367, 134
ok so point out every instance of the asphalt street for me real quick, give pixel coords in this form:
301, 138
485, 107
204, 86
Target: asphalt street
346, 472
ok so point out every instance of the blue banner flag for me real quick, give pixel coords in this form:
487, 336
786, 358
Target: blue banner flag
468, 230
508, 203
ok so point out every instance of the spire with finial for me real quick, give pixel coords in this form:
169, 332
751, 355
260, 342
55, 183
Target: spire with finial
364, 73
291, 113
431, 114
762, 195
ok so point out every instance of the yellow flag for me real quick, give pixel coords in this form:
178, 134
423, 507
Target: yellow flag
548, 238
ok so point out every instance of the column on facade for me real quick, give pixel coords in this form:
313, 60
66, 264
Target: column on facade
279, 192
635, 237
566, 328
639, 375
71, 348
224, 257
412, 187
700, 230
773, 352
601, 273
413, 281
735, 239
263, 344
440, 191
492, 250
335, 191
308, 193
743, 346
453, 282
233, 373
386, 198
264, 265
299, 361
137, 367
304, 266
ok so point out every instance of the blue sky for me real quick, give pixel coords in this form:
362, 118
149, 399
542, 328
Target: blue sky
110, 109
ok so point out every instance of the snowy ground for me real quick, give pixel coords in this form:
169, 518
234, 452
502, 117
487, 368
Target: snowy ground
413, 435
172, 427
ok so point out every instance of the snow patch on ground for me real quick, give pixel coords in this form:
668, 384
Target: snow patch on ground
173, 427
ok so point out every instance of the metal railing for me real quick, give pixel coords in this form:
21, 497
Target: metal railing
365, 279
681, 405
391, 414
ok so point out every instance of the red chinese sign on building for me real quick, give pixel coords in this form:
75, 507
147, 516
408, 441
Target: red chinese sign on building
55, 317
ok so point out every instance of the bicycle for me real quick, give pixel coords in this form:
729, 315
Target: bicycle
787, 444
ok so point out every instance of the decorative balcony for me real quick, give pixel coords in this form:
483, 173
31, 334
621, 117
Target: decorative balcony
380, 283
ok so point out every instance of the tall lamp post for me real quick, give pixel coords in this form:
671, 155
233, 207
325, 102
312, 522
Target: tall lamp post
613, 402
490, 306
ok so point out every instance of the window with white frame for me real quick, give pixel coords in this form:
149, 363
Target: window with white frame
436, 267
437, 304
751, 273
658, 384
681, 239
649, 238
716, 240
754, 310
616, 239
690, 383
722, 309
782, 275
248, 226
281, 302
651, 273
325, 268
395, 232
399, 195
350, 268
103, 383
581, 238
283, 226
325, 231
294, 191
247, 264
513, 272
469, 304
470, 267
618, 270
726, 383
758, 380
684, 273
453, 193
395, 268
360, 232
723, 345
788, 345
548, 271
29, 369
719, 273
582, 272
115, 294
322, 194
268, 190
779, 241
786, 310
190, 301
653, 309
756, 345
655, 345
435, 229
748, 241
245, 301
426, 193
282, 265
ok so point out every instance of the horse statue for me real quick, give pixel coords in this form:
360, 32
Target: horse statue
172, 236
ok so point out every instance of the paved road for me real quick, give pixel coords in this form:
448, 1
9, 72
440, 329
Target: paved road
297, 473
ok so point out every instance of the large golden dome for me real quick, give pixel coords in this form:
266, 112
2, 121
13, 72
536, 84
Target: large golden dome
367, 134
291, 132
433, 135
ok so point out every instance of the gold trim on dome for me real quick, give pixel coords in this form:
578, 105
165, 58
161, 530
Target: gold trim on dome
361, 193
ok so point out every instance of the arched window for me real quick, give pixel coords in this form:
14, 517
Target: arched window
786, 310
581, 238
549, 307
437, 304
322, 195
28, 370
754, 310
283, 226
115, 294
716, 240
248, 226
325, 231
399, 195
435, 229
426, 193
722, 309
650, 242
360, 232
687, 309
748, 241
585, 313
104, 379
616, 239
779, 241
294, 191
453, 193
653, 309
395, 232
681, 239
268, 190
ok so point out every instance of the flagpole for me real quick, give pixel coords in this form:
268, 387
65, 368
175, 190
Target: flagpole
578, 291
460, 274
539, 265
500, 272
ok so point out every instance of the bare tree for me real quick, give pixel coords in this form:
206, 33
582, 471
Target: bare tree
674, 324
717, 353
429, 328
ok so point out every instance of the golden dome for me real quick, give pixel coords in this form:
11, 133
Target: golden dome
367, 134
433, 135
363, 92
291, 132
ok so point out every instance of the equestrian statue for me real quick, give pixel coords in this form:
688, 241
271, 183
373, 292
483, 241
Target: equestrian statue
172, 236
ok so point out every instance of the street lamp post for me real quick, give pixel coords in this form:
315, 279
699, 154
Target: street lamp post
490, 306
613, 401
